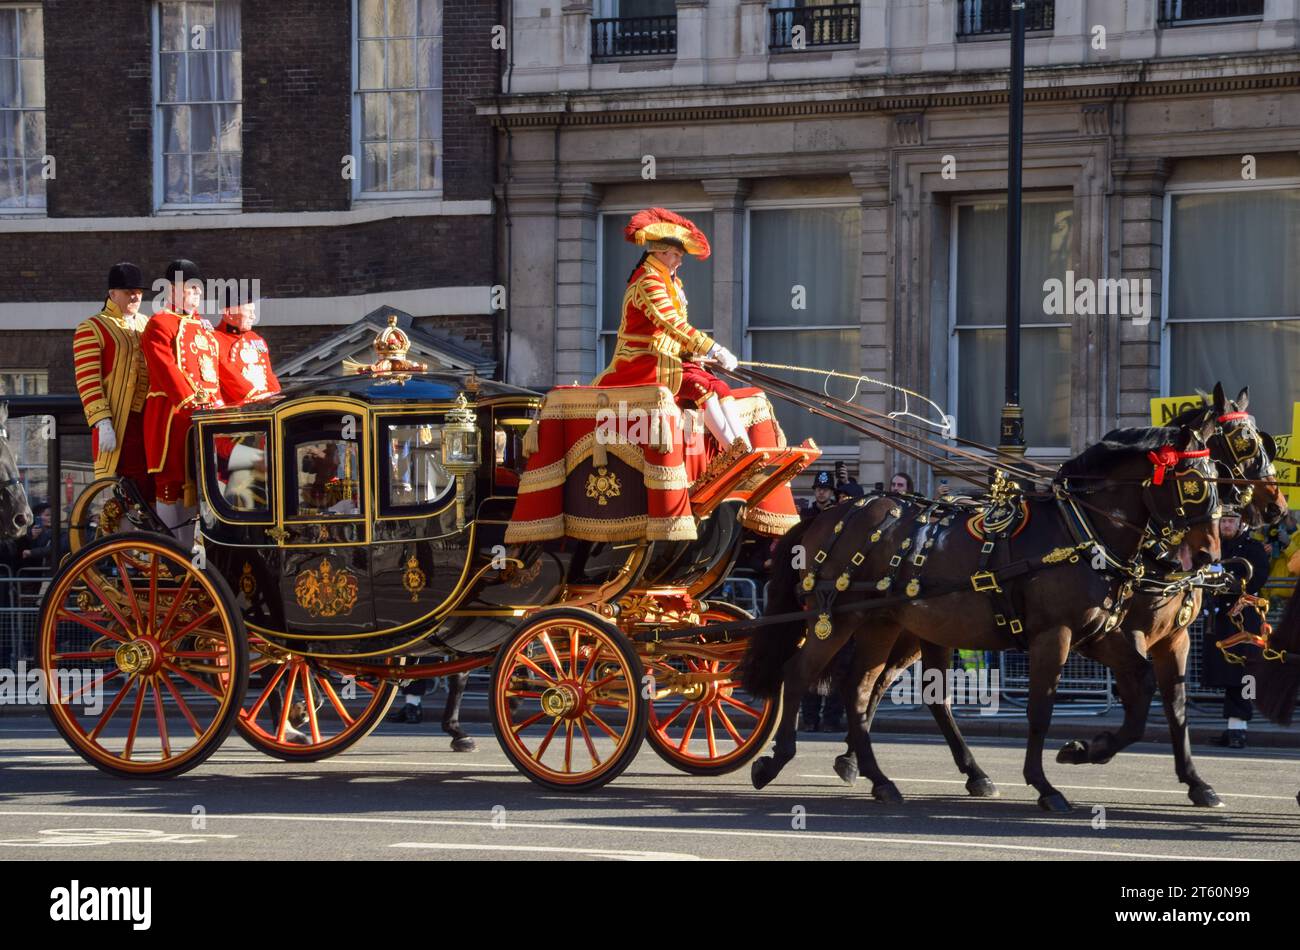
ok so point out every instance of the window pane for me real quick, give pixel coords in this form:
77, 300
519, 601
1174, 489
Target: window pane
9, 83
1046, 239
201, 25
430, 166
11, 134
31, 30
618, 257
203, 128
11, 183
327, 472
374, 117
241, 469
176, 128
202, 72
176, 184
1263, 355
401, 64
826, 349
33, 134
371, 15
8, 32
35, 185
204, 176
401, 17
230, 123
430, 115
372, 64
1044, 385
430, 17
374, 169
33, 73
171, 81
171, 31
229, 168
405, 173
230, 83
228, 26
416, 475
404, 105
817, 249
1234, 255
428, 63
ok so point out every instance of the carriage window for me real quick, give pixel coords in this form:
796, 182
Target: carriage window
415, 474
324, 466
508, 452
240, 464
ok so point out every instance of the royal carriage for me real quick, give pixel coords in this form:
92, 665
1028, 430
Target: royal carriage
361, 530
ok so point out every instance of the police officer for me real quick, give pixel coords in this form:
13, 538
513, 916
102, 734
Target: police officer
823, 495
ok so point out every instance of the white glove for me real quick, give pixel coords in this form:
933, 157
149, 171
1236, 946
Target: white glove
724, 357
107, 437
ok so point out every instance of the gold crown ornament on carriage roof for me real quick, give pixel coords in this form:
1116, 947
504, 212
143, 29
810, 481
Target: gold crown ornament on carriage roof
391, 346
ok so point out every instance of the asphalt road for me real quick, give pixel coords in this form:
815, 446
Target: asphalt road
403, 795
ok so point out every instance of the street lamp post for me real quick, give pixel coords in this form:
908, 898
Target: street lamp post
1012, 438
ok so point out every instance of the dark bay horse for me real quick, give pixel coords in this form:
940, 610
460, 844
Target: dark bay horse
1069, 587
15, 512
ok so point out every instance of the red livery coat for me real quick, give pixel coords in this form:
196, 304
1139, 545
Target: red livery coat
245, 366
182, 352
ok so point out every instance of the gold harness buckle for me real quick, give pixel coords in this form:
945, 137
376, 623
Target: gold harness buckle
984, 582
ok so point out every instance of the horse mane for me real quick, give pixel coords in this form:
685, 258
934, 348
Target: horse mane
1117, 446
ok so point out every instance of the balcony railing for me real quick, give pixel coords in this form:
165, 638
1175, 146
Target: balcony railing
634, 36
1175, 12
991, 17
835, 25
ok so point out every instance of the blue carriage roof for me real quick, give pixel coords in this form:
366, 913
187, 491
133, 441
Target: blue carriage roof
431, 387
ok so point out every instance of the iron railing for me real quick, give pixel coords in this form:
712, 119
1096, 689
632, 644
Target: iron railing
993, 17
835, 25
633, 36
1176, 12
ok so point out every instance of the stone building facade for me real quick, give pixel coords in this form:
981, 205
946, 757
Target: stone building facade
1162, 145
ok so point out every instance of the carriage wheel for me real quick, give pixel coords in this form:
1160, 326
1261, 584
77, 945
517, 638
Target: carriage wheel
301, 711
99, 511
566, 701
711, 726
144, 655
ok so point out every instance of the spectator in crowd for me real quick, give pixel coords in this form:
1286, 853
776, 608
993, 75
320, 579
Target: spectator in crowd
902, 482
823, 495
40, 539
1218, 672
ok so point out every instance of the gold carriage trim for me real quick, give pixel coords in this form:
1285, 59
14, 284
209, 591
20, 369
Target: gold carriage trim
247, 582
327, 593
413, 579
767, 522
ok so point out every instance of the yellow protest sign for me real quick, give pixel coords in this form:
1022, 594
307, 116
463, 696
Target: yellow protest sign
1286, 471
1166, 408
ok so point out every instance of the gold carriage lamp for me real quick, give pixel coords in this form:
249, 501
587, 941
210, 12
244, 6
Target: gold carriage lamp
460, 449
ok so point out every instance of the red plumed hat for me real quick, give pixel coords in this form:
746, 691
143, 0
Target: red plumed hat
659, 224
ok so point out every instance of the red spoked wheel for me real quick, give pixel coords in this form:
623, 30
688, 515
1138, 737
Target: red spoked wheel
702, 720
566, 700
144, 656
300, 710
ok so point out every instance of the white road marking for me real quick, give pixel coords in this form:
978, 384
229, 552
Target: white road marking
539, 849
1082, 788
638, 829
96, 837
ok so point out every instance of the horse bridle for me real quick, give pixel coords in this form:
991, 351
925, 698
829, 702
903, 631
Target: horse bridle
1244, 442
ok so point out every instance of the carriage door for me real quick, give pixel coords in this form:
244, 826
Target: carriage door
325, 562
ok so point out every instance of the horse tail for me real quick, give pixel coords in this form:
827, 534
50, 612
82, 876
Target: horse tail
762, 670
1278, 682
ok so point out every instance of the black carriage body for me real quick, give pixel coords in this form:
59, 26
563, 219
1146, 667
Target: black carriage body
329, 510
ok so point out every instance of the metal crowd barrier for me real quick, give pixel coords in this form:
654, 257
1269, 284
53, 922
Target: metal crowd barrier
20, 607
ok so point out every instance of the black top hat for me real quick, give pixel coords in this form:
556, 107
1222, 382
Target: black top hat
125, 276
187, 269
823, 480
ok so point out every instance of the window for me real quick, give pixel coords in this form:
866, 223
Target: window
324, 478
1176, 12
415, 477
824, 23
977, 363
634, 28
993, 17
397, 120
617, 259
509, 426
1233, 298
238, 470
803, 299
27, 433
198, 82
22, 108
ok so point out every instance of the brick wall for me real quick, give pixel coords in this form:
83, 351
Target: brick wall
98, 91
470, 68
297, 105
398, 254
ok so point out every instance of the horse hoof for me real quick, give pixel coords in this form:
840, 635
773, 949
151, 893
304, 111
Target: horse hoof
887, 792
1055, 802
763, 771
846, 768
464, 744
1073, 753
982, 788
1205, 797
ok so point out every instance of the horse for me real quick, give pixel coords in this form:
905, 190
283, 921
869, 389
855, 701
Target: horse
1160, 618
15, 512
1071, 588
